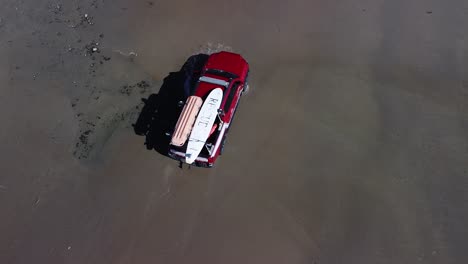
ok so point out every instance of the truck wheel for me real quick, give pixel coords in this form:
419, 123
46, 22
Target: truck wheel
222, 145
246, 88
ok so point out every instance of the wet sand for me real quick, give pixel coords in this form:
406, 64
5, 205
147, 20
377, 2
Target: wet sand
350, 147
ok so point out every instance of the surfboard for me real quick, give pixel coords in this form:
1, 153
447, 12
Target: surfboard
203, 124
186, 120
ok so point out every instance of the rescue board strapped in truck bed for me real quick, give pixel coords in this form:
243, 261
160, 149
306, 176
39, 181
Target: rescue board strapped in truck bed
203, 125
186, 119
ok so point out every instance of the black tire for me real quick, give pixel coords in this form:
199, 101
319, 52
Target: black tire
246, 89
222, 144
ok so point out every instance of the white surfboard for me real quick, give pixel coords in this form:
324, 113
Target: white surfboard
203, 124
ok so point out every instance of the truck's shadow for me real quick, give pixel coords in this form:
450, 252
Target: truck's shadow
161, 111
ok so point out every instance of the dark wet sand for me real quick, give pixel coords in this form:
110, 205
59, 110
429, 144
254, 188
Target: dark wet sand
351, 146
